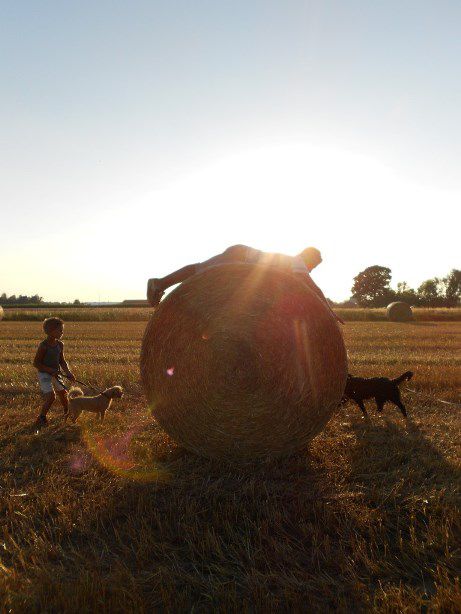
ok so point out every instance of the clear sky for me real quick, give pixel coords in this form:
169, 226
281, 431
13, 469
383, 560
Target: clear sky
138, 136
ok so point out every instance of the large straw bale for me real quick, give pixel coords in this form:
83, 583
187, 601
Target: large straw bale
1, 312
399, 312
243, 362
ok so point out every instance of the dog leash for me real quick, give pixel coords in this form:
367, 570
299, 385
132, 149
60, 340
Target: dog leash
61, 375
432, 398
58, 376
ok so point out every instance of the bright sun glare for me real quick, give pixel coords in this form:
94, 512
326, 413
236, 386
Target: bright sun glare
277, 199
282, 199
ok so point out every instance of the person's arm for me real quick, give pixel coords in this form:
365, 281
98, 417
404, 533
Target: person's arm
65, 366
157, 285
38, 364
307, 279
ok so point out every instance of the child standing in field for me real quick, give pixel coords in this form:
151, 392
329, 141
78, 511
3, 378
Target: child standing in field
48, 361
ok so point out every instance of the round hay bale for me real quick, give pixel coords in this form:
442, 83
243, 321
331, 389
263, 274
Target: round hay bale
399, 312
243, 362
1, 312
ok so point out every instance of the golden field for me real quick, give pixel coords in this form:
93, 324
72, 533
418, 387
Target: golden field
141, 314
114, 517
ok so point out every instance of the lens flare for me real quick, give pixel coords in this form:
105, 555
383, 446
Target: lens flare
304, 358
127, 454
79, 462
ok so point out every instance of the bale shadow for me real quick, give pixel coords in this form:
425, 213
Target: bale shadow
33, 452
270, 537
217, 536
399, 451
413, 493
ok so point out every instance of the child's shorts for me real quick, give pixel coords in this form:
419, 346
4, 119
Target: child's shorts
48, 382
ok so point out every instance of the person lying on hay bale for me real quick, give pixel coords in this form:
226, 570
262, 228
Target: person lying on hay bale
300, 266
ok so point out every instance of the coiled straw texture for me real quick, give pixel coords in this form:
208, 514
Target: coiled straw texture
243, 362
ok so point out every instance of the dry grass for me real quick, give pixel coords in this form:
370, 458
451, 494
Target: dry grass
141, 314
80, 314
116, 518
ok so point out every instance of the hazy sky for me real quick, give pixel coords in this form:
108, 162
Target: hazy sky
139, 136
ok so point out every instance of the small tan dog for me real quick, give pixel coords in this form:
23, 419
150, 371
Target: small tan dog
98, 404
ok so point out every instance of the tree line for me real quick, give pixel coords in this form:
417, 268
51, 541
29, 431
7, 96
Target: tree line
372, 289
22, 299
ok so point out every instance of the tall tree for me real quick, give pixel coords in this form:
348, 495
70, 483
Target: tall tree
406, 294
452, 283
430, 293
371, 287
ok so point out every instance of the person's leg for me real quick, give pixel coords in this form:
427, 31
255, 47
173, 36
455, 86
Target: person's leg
48, 397
64, 399
48, 400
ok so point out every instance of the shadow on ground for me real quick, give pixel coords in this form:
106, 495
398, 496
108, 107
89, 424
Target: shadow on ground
338, 529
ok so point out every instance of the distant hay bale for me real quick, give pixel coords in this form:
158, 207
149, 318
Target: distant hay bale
399, 312
243, 362
1, 312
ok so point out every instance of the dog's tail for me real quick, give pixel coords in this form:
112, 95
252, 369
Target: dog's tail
75, 392
403, 377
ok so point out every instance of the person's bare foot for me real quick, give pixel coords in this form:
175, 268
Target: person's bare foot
154, 292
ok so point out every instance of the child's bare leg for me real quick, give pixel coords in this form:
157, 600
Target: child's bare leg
64, 399
48, 400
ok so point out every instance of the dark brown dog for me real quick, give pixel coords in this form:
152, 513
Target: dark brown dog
382, 389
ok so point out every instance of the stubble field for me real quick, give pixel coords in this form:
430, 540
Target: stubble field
114, 517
